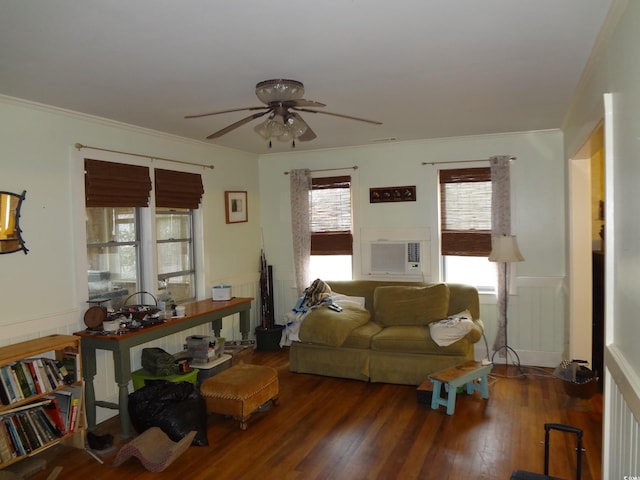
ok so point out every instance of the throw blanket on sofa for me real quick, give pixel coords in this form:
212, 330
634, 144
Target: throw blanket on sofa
315, 295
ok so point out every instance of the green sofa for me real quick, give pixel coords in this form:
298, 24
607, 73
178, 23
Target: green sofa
390, 341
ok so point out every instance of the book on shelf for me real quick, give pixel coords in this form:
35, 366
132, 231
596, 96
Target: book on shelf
14, 383
33, 371
70, 361
52, 411
29, 379
47, 426
36, 422
29, 430
76, 397
22, 380
7, 451
49, 374
5, 392
55, 371
15, 438
63, 398
24, 440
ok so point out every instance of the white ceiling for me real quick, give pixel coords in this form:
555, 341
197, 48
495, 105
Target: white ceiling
425, 68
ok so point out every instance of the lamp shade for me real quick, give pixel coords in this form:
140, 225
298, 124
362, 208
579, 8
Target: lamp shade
505, 249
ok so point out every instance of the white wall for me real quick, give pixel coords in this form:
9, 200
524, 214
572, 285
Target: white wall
536, 326
41, 293
616, 69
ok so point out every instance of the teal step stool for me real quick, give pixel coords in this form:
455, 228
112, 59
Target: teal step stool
465, 374
139, 377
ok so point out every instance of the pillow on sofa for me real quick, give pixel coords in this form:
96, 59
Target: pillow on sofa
410, 305
451, 329
324, 326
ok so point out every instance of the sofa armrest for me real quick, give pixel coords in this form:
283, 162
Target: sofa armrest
475, 334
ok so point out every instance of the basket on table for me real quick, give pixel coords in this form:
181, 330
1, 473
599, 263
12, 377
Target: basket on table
141, 310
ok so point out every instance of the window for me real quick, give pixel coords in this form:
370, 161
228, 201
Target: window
177, 194
113, 227
117, 212
465, 227
174, 237
331, 228
113, 250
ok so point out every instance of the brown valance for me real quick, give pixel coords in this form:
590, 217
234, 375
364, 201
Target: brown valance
178, 189
110, 184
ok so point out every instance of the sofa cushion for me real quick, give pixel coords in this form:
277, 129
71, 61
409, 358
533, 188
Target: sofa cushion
361, 337
414, 339
324, 326
410, 305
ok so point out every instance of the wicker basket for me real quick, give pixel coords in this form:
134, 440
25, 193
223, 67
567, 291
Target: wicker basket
585, 386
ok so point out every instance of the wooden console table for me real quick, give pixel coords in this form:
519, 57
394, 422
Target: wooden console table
197, 313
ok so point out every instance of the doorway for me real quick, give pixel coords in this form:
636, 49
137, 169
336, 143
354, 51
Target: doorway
586, 249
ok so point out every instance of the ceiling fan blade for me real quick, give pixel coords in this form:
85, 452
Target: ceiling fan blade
306, 103
237, 124
226, 111
338, 115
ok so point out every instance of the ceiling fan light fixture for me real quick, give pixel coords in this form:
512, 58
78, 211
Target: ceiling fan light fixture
271, 127
279, 90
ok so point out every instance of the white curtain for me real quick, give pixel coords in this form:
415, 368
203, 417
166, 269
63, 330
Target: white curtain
501, 225
300, 182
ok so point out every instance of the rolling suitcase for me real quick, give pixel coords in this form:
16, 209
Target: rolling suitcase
522, 475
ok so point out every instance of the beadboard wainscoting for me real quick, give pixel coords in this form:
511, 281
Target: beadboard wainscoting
622, 417
536, 321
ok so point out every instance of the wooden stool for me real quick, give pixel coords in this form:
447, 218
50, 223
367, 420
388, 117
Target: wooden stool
240, 390
458, 376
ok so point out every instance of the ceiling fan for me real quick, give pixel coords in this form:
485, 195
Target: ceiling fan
283, 100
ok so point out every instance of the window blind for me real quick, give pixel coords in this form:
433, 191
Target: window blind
178, 189
465, 210
110, 184
331, 216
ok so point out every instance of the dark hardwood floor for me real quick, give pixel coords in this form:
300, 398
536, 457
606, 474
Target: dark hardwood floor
329, 428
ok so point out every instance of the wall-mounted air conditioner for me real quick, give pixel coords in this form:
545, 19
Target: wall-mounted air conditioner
395, 258
400, 253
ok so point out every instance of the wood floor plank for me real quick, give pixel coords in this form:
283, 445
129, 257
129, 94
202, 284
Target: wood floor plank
338, 429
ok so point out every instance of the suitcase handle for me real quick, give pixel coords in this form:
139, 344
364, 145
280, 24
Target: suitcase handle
564, 428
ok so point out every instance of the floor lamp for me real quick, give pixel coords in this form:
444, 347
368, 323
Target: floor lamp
505, 250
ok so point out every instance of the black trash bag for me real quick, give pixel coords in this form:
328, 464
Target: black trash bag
177, 408
158, 362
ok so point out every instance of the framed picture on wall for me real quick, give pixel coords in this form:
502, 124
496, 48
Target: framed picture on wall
235, 206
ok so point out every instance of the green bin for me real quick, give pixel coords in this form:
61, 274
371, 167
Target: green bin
139, 377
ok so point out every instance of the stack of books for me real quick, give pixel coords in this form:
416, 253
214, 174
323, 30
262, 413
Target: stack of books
34, 376
28, 427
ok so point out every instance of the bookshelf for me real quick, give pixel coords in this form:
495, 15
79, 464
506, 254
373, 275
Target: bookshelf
41, 395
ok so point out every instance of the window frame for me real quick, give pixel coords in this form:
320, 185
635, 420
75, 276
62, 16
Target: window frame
460, 243
163, 277
339, 242
147, 260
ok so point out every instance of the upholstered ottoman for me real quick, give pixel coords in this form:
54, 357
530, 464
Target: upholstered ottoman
240, 390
